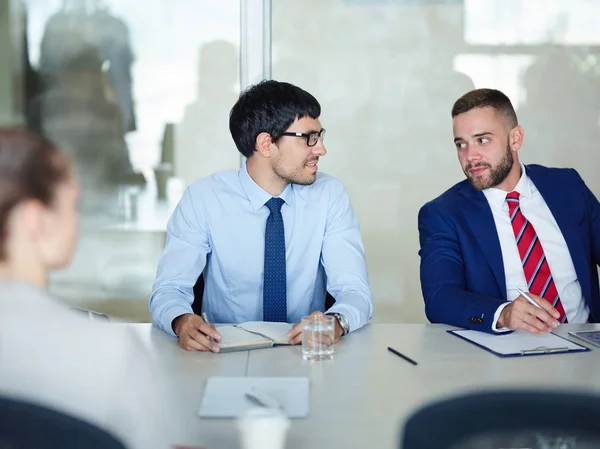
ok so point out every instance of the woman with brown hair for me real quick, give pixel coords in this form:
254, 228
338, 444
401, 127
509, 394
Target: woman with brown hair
49, 354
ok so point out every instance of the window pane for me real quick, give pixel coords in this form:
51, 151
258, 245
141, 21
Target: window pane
138, 94
387, 74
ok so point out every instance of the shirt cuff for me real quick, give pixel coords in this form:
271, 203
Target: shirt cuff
496, 316
169, 315
354, 317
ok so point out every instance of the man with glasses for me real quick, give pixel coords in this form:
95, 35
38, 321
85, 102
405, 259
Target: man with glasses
270, 239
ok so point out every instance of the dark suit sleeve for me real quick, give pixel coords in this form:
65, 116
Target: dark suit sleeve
443, 276
593, 210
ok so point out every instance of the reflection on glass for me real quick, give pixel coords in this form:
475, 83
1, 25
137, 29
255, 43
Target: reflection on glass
205, 123
397, 72
531, 22
138, 96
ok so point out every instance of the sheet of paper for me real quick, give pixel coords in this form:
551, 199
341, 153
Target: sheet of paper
518, 341
225, 397
275, 331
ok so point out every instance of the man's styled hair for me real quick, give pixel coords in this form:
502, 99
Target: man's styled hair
271, 107
481, 98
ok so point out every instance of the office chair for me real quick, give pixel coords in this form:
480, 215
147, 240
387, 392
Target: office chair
25, 425
506, 419
199, 293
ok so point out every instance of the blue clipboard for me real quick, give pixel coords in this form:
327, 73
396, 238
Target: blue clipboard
519, 343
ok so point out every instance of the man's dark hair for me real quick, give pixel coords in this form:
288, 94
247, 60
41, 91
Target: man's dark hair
481, 98
271, 107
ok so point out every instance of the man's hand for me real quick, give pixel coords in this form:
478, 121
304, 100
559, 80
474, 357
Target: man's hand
194, 334
520, 314
295, 334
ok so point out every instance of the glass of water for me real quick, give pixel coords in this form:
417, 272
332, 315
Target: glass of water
317, 337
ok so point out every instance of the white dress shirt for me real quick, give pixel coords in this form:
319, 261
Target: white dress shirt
535, 209
98, 372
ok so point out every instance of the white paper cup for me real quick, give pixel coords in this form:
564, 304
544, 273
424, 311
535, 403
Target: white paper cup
263, 428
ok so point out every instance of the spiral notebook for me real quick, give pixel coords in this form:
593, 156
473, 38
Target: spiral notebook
519, 343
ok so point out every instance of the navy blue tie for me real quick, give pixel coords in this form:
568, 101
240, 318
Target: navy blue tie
274, 287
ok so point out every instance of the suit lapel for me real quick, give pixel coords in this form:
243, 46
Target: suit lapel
479, 217
558, 202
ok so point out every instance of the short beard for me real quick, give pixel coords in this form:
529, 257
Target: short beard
497, 174
294, 176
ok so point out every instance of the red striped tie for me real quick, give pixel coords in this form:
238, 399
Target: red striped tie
537, 272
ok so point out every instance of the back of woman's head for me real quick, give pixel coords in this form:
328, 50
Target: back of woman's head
31, 170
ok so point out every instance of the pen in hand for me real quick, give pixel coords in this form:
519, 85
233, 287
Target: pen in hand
409, 360
205, 318
532, 301
529, 299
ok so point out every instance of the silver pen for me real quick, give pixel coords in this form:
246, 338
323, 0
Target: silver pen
528, 298
262, 399
205, 318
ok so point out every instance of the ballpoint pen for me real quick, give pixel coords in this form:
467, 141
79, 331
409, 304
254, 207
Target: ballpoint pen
409, 360
529, 299
205, 318
261, 398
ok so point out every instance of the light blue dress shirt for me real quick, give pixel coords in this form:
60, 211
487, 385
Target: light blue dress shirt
219, 228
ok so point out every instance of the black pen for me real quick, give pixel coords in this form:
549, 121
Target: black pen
402, 356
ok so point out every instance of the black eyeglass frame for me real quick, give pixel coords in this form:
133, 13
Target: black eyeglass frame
320, 136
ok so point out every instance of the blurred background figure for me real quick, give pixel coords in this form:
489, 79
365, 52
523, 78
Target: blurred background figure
562, 123
49, 354
204, 125
85, 96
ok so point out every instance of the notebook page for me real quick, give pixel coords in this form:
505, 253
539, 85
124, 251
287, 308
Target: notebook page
515, 342
234, 337
275, 331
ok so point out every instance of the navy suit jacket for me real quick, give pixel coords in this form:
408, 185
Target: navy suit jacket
462, 272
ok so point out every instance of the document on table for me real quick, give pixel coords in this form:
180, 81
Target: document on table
519, 343
225, 397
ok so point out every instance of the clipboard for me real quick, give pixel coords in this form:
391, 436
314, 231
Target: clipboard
519, 343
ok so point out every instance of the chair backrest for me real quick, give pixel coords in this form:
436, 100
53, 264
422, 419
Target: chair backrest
24, 425
513, 418
199, 293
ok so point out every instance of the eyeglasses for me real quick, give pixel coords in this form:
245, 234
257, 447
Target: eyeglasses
311, 138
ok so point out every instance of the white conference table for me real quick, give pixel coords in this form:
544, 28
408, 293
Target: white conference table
361, 398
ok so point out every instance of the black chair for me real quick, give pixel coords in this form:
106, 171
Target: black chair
503, 419
24, 425
199, 293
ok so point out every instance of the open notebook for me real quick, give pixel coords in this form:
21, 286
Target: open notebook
252, 335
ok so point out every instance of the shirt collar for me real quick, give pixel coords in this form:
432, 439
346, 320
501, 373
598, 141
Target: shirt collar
497, 197
257, 196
